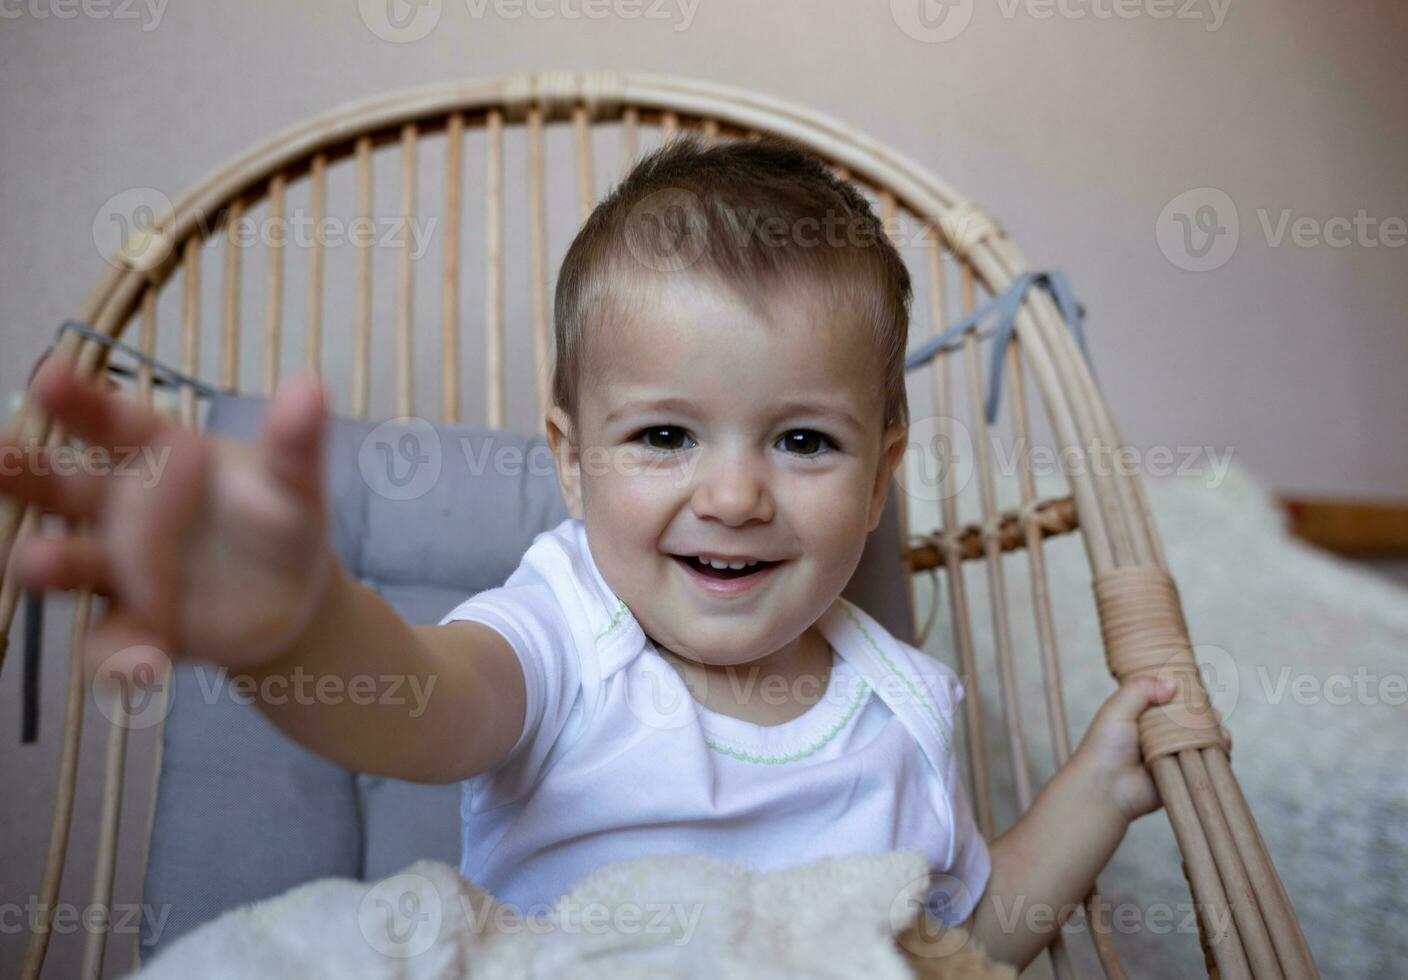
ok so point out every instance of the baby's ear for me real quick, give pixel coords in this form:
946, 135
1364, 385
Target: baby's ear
892, 449
562, 440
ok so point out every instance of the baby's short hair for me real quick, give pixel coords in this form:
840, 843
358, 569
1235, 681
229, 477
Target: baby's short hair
751, 215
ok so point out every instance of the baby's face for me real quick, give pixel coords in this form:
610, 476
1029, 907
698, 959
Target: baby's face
706, 431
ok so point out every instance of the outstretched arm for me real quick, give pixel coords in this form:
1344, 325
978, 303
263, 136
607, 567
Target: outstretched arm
1044, 866
218, 550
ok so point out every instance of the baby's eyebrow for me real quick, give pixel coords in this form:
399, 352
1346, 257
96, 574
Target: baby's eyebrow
680, 405
834, 413
683, 406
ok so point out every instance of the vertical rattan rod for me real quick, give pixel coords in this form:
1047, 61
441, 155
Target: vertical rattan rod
230, 297
190, 319
57, 849
1209, 897
362, 315
146, 395
992, 548
317, 194
450, 274
1255, 939
274, 285
495, 390
1041, 588
1110, 530
669, 126
109, 826
1101, 550
1291, 947
1141, 548
711, 131
582, 130
1060, 955
9, 597
960, 616
630, 125
146, 343
405, 350
537, 233
1046, 637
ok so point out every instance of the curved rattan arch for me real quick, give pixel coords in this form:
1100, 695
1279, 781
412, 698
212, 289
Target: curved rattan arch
1226, 860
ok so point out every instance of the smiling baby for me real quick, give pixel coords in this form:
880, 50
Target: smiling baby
673, 668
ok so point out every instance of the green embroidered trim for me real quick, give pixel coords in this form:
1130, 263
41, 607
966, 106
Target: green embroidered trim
943, 732
777, 760
615, 622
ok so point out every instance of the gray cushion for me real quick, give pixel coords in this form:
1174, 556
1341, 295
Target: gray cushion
242, 811
425, 515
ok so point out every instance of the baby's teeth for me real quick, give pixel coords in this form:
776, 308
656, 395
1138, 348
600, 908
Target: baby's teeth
734, 565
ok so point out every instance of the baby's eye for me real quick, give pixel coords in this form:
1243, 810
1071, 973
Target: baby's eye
805, 442
665, 438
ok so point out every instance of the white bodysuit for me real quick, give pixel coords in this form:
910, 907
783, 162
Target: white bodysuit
618, 759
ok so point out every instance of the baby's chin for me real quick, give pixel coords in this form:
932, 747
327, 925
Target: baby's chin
715, 652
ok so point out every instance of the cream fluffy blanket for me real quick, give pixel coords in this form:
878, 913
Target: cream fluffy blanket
681, 916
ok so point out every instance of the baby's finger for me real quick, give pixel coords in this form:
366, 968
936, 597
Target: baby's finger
47, 562
100, 419
1136, 694
53, 479
291, 442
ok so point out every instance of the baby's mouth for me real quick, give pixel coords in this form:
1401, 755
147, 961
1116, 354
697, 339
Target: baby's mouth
711, 568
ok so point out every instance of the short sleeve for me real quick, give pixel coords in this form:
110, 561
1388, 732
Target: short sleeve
955, 891
530, 619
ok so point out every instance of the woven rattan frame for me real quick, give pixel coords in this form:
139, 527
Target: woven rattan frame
1225, 858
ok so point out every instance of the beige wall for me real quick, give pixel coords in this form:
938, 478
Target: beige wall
1075, 131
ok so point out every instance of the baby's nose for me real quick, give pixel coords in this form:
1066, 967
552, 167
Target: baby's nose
734, 494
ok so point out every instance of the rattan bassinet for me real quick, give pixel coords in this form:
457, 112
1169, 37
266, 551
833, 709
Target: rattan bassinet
962, 253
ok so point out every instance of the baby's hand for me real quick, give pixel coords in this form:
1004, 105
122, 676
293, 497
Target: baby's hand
1110, 750
211, 548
